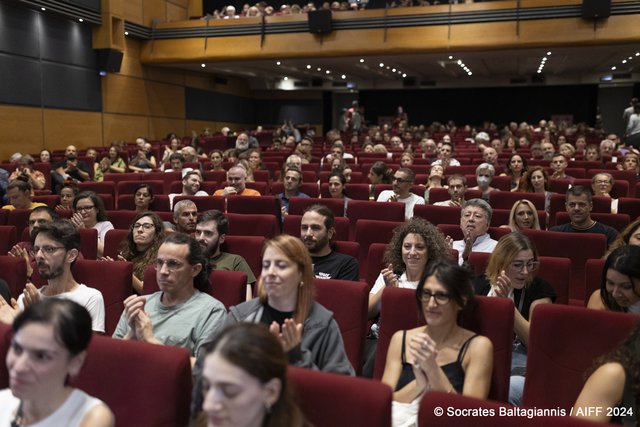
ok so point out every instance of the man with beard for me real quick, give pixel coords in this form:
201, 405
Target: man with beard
191, 182
316, 231
236, 184
181, 313
211, 231
55, 247
457, 185
474, 223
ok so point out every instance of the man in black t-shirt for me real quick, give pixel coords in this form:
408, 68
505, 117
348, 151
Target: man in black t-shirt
69, 169
316, 231
579, 206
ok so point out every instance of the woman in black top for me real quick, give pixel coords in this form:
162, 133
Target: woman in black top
442, 356
510, 274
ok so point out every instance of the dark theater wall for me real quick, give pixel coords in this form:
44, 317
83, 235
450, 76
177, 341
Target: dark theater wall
474, 105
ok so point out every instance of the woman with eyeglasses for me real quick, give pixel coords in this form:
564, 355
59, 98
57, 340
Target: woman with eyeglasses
49, 346
511, 274
89, 212
140, 247
442, 356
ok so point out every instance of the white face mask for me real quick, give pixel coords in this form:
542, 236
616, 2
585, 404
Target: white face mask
483, 181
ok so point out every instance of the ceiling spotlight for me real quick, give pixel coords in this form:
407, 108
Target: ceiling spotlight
285, 78
126, 33
319, 69
544, 59
470, 73
613, 68
381, 64
630, 58
624, 61
278, 63
637, 53
343, 77
393, 70
328, 72
404, 75
80, 20
459, 62
43, 9
203, 65
539, 71
361, 60
388, 67
548, 53
450, 57
308, 67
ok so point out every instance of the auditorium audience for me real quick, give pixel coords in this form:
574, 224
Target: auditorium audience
143, 198
48, 348
510, 274
68, 193
523, 216
25, 169
403, 179
236, 184
474, 222
536, 180
216, 159
111, 163
185, 214
515, 168
484, 176
442, 356
19, 194
456, 186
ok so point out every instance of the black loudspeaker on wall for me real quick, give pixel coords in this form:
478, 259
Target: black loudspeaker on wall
595, 9
320, 21
109, 60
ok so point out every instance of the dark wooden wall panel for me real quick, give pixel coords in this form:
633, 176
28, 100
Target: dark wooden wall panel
19, 29
70, 87
20, 81
206, 105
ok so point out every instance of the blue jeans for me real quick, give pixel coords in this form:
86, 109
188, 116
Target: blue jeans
518, 368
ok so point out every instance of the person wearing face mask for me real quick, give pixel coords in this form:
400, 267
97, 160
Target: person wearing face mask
620, 286
511, 274
484, 175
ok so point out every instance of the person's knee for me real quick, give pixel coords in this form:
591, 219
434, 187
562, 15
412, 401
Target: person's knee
516, 389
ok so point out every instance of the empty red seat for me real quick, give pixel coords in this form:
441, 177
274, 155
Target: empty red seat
438, 214
371, 231
593, 276
253, 225
19, 218
121, 219
228, 287
8, 238
113, 241
13, 271
297, 205
370, 210
249, 247
254, 205
629, 206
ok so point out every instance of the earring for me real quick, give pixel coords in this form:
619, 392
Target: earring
301, 283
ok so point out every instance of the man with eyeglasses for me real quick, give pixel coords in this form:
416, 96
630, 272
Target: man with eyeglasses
236, 184
402, 180
292, 181
579, 205
601, 185
457, 187
211, 230
474, 223
55, 248
181, 313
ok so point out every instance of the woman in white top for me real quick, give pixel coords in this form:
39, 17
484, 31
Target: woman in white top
48, 347
414, 244
89, 212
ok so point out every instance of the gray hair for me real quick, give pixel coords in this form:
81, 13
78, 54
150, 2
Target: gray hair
607, 174
186, 203
486, 207
487, 166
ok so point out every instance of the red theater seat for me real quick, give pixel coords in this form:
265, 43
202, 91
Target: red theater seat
8, 238
506, 199
297, 205
112, 242
13, 271
228, 287
369, 210
368, 232
438, 214
253, 225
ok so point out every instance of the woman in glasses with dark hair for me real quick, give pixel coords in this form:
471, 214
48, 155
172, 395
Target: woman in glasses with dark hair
511, 274
442, 356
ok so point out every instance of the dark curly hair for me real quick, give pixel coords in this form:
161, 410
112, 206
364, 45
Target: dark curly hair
129, 251
625, 260
437, 247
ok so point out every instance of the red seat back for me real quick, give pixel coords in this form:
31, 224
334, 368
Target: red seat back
370, 210
617, 221
253, 225
13, 270
297, 205
506, 199
438, 214
593, 276
228, 287
371, 231
249, 247
8, 238
112, 242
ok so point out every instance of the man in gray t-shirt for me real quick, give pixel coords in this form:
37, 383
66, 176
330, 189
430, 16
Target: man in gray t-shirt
180, 314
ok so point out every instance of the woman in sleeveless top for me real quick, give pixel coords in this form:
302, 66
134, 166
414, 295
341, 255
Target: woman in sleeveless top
48, 347
613, 386
441, 356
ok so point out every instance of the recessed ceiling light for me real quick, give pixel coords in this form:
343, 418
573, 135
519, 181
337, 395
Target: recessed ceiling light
319, 69
308, 67
43, 9
328, 72
361, 60
624, 61
381, 64
394, 70
388, 67
450, 57
470, 73
203, 65
343, 77
613, 68
80, 19
548, 53
404, 75
637, 53
539, 71
278, 62
126, 33
285, 78
459, 62
630, 58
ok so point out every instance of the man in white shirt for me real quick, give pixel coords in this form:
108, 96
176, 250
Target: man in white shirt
457, 185
474, 222
445, 154
191, 181
402, 180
